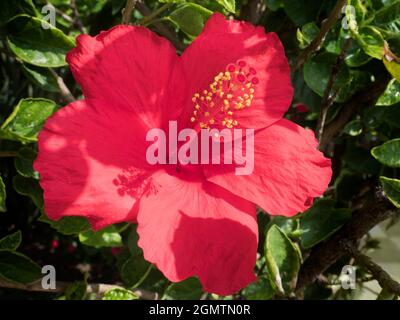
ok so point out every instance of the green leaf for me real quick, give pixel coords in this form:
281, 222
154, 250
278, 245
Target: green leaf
11, 242
2, 196
287, 225
189, 289
17, 267
32, 43
320, 221
190, 18
388, 18
388, 153
229, 5
318, 69
356, 56
67, 225
282, 259
76, 291
353, 128
306, 34
24, 163
107, 237
391, 95
134, 271
42, 77
119, 294
393, 67
391, 187
301, 11
27, 119
9, 9
29, 187
259, 290
371, 41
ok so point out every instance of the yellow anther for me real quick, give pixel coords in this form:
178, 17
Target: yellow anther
226, 102
230, 113
212, 121
229, 96
192, 119
207, 114
197, 107
251, 90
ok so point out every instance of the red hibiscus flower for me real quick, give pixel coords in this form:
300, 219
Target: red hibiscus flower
193, 220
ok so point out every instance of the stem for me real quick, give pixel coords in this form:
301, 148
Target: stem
64, 91
77, 18
375, 209
147, 19
162, 29
380, 275
127, 12
7, 154
98, 288
316, 44
329, 97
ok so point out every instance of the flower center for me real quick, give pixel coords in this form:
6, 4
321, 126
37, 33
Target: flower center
231, 91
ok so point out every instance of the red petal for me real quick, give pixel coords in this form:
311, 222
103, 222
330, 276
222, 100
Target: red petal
288, 170
224, 42
92, 163
130, 67
196, 228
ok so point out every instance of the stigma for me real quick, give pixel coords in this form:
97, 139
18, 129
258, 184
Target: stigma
230, 92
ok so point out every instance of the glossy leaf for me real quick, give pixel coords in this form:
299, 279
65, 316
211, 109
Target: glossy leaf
320, 221
107, 237
391, 95
391, 187
388, 153
29, 187
68, 225
282, 260
190, 18
11, 242
120, 294
42, 77
17, 267
187, 289
134, 271
27, 119
259, 290
43, 47
353, 128
24, 163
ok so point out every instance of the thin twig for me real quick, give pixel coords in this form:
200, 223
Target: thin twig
363, 98
330, 94
162, 29
316, 44
64, 91
97, 288
374, 210
154, 14
127, 12
64, 16
8, 154
77, 17
380, 275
